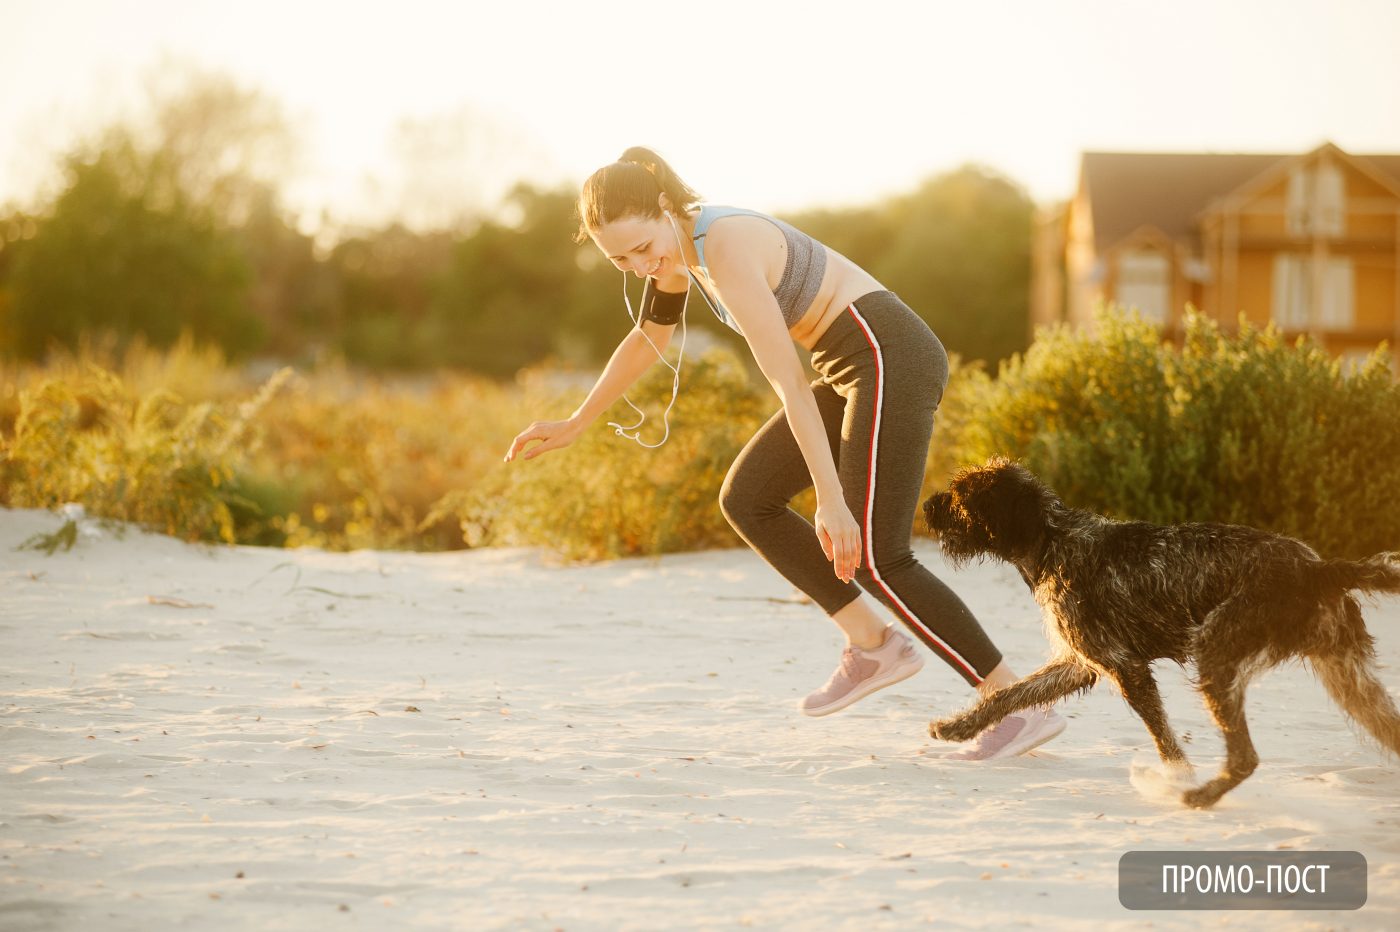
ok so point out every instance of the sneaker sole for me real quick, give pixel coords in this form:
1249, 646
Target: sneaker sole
1029, 743
895, 675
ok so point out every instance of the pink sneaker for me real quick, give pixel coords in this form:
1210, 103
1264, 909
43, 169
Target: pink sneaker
862, 672
1016, 734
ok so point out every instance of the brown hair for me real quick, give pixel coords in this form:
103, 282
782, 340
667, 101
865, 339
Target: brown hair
630, 187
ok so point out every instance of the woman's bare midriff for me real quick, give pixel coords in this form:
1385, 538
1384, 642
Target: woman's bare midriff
842, 283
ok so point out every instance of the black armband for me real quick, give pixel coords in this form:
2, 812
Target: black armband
662, 307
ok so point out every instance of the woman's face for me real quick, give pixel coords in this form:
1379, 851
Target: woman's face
645, 247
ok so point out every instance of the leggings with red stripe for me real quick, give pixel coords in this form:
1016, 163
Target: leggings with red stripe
882, 376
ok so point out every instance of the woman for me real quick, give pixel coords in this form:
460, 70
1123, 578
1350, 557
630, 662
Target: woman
859, 434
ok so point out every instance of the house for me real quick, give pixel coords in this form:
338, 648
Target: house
1310, 242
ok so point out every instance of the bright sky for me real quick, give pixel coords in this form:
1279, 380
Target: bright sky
770, 104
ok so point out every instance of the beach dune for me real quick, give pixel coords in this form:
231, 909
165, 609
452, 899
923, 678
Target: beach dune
231, 737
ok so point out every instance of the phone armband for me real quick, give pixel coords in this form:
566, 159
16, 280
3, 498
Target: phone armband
662, 307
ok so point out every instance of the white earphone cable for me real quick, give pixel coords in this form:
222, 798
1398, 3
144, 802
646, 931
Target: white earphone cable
633, 432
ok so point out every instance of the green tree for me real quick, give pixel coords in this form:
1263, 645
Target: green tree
292, 293
384, 284
104, 259
957, 250
517, 292
165, 224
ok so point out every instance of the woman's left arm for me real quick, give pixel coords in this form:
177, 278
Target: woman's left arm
745, 293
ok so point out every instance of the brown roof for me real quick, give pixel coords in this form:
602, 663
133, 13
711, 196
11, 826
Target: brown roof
1128, 190
1389, 164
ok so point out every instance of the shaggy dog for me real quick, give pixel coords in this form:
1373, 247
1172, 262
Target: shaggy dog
1117, 595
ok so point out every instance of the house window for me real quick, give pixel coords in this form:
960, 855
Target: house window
1316, 200
1330, 200
1297, 209
1144, 283
1337, 307
1308, 295
1291, 291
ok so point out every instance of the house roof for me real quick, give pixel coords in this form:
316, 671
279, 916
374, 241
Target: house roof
1128, 190
1390, 164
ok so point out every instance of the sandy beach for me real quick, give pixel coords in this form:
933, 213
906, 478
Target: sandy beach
239, 738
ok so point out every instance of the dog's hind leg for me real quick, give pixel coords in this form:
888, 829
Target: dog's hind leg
1053, 681
1348, 673
1140, 690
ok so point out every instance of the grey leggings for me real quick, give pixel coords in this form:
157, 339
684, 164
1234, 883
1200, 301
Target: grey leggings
882, 376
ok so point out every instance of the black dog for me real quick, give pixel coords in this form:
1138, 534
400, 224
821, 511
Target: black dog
1118, 595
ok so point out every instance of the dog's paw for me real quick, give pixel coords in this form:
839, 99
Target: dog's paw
958, 728
1202, 797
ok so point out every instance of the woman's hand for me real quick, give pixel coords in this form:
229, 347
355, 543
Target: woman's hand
840, 538
553, 434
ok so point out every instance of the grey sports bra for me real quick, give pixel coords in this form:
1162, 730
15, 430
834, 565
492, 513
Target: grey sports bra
802, 274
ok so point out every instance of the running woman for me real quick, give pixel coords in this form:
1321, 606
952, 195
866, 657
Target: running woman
859, 434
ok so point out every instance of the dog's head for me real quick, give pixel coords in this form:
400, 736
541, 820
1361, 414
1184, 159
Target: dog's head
1000, 509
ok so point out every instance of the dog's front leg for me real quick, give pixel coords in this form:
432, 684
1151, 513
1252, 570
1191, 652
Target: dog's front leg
1053, 681
1140, 691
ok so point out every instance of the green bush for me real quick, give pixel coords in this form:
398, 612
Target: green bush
968, 384
352, 461
1241, 428
153, 460
181, 442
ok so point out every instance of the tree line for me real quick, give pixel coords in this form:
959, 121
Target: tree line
179, 226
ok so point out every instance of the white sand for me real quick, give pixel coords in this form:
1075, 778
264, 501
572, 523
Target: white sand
481, 740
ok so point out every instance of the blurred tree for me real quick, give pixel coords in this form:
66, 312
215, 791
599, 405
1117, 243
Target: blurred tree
515, 293
229, 149
15, 228
169, 223
103, 259
174, 221
384, 282
293, 291
211, 141
957, 250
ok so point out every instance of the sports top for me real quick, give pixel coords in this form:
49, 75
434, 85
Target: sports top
802, 273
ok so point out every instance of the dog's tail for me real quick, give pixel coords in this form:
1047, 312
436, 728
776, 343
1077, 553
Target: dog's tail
1380, 573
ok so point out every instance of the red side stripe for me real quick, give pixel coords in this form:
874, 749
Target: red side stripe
868, 522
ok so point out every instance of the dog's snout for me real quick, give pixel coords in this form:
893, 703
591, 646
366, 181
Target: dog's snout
936, 510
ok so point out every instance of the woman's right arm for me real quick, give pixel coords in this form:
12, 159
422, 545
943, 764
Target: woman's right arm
633, 356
